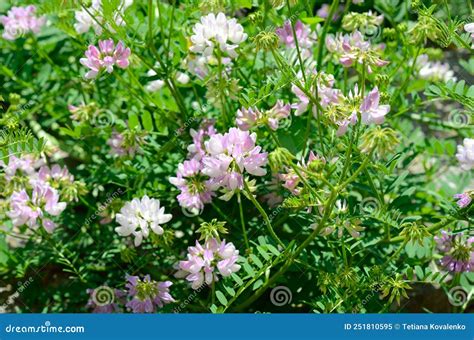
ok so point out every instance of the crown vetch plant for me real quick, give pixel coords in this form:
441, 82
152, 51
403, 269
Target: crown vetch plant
195, 156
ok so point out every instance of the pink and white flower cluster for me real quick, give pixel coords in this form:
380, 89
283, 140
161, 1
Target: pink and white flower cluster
248, 118
35, 194
326, 93
140, 216
92, 17
352, 48
204, 263
434, 70
229, 157
105, 57
371, 112
306, 38
291, 180
20, 21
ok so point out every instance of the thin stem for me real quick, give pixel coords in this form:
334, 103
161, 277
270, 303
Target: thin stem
264, 214
242, 221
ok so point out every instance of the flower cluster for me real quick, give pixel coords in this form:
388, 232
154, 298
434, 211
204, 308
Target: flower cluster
20, 21
92, 17
458, 252
434, 71
217, 32
248, 118
465, 154
352, 48
36, 194
105, 57
229, 157
204, 263
464, 199
306, 39
147, 295
140, 216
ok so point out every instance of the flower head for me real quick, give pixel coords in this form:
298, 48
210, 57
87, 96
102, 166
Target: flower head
93, 17
306, 39
194, 186
105, 57
465, 154
464, 199
216, 31
230, 155
204, 263
139, 216
147, 295
21, 20
458, 252
37, 207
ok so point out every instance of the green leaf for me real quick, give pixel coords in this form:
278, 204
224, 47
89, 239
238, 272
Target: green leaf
221, 297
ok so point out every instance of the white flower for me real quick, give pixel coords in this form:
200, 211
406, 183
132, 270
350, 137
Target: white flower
217, 31
92, 17
182, 78
139, 216
465, 154
155, 85
434, 71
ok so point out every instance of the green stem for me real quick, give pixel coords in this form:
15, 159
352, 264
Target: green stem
263, 213
242, 221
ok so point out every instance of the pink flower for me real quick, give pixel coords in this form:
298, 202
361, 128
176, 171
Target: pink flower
204, 263
25, 209
230, 156
326, 93
305, 38
197, 149
457, 250
118, 147
20, 21
464, 199
465, 154
147, 295
25, 165
105, 57
371, 111
292, 180
352, 48
194, 186
247, 118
